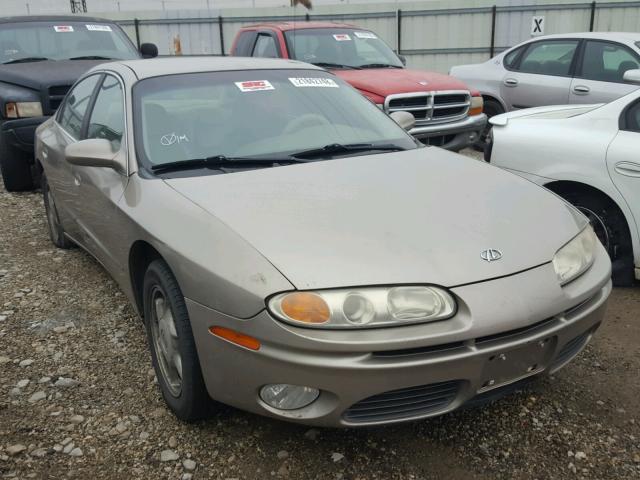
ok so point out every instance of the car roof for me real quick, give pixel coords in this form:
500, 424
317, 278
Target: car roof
157, 67
619, 36
52, 18
285, 26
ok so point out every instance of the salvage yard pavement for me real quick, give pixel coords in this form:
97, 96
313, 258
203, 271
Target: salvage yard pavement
79, 400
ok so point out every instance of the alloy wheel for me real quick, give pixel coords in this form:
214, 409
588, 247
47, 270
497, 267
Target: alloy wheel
165, 341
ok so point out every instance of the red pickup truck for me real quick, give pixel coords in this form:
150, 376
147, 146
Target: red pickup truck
447, 113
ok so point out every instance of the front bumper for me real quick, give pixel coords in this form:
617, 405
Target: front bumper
20, 134
379, 376
452, 136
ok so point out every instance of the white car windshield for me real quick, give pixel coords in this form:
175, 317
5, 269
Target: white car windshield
341, 47
255, 114
33, 41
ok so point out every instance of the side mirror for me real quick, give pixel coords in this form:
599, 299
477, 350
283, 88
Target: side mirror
405, 119
403, 59
149, 50
95, 152
632, 76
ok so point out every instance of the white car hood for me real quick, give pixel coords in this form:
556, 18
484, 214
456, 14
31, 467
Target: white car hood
552, 112
419, 216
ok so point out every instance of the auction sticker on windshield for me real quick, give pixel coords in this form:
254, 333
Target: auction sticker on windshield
254, 85
365, 34
63, 28
342, 37
314, 82
99, 28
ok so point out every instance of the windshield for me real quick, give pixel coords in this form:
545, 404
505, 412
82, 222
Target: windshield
256, 113
340, 46
35, 41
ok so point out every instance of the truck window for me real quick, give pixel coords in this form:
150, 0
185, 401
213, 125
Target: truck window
265, 47
243, 44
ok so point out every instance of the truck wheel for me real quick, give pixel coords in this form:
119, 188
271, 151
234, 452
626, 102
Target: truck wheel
611, 228
16, 169
56, 232
491, 109
173, 349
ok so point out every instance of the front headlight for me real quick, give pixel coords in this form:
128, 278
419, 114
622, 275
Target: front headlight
576, 257
363, 307
23, 109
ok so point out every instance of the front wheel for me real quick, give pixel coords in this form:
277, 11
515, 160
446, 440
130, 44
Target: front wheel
612, 230
491, 109
173, 348
15, 168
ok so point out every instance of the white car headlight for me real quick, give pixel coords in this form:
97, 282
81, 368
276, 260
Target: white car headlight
364, 307
576, 257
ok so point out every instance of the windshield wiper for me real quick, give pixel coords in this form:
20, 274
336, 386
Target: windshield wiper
26, 60
91, 57
349, 148
335, 65
379, 65
221, 161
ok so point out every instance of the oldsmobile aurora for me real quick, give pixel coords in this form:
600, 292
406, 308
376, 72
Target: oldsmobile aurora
295, 253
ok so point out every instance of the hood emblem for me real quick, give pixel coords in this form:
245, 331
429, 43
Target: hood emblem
491, 255
423, 82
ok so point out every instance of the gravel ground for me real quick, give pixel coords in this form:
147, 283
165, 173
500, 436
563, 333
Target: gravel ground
78, 398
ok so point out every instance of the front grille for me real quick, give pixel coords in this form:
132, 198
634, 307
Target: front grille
407, 352
56, 95
511, 334
404, 403
431, 107
570, 350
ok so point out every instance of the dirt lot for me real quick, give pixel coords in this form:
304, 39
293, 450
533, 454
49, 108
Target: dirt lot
78, 399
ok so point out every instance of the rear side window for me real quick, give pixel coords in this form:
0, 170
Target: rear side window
75, 106
549, 58
265, 47
607, 62
511, 57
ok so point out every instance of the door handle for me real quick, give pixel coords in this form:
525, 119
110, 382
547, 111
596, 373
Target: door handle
628, 169
581, 89
511, 82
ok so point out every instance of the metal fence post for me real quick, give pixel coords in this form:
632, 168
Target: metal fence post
221, 31
593, 16
492, 48
398, 31
136, 25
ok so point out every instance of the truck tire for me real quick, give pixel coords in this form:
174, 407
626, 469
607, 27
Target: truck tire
16, 169
491, 109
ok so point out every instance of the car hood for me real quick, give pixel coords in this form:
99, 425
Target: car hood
421, 216
387, 81
39, 75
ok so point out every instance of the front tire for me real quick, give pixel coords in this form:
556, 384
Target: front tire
611, 227
491, 109
173, 349
16, 170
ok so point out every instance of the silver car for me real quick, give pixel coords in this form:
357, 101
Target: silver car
555, 70
295, 253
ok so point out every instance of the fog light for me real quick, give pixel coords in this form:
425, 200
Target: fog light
288, 397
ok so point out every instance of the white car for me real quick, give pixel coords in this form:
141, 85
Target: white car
589, 155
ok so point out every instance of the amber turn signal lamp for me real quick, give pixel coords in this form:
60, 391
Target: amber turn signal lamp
305, 307
236, 337
477, 104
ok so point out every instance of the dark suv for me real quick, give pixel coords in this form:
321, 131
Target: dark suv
40, 58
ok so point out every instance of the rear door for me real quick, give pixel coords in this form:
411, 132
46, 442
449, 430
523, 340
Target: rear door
67, 129
598, 77
623, 159
541, 75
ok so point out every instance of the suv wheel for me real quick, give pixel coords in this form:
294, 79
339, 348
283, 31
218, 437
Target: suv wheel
16, 170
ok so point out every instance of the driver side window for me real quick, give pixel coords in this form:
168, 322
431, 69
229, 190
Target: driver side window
107, 117
631, 119
72, 115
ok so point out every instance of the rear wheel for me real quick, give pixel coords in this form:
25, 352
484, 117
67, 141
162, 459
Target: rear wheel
491, 109
173, 348
611, 228
56, 232
16, 169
